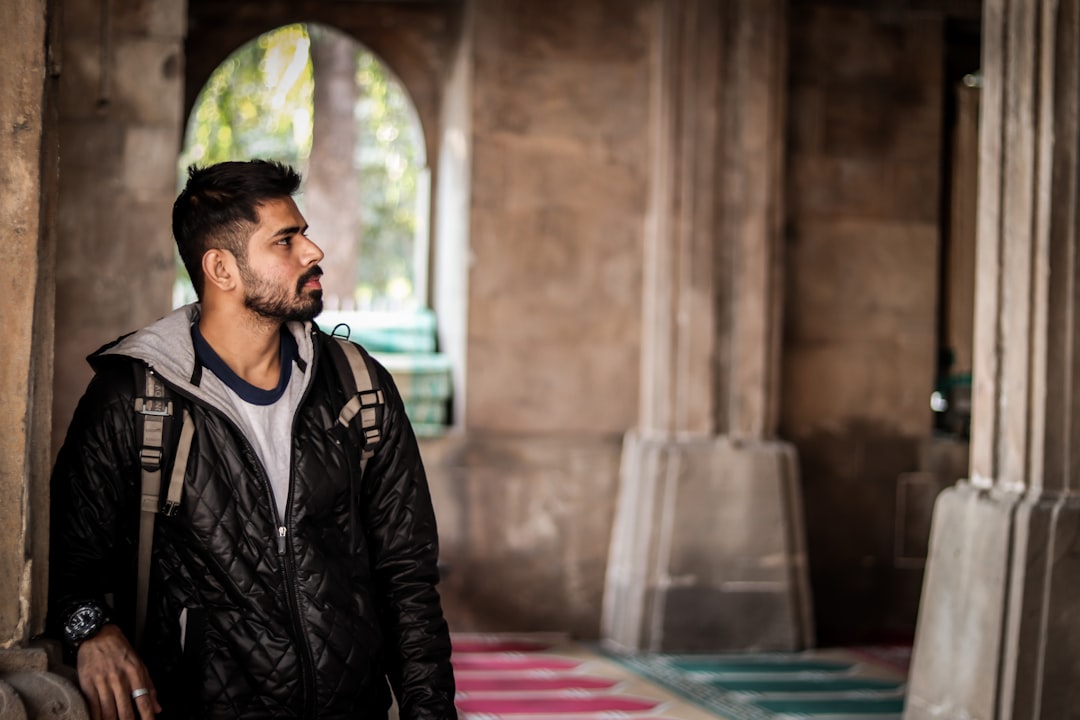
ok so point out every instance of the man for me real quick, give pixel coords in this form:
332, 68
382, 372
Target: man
285, 586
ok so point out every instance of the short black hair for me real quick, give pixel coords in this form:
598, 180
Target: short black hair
219, 205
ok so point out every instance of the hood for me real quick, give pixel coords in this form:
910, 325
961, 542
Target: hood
166, 346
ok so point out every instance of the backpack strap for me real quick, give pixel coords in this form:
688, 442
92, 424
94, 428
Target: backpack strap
154, 413
365, 397
155, 410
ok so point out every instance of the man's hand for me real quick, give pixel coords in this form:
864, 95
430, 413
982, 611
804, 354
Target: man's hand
109, 671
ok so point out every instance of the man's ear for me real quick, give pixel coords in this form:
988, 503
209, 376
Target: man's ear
220, 269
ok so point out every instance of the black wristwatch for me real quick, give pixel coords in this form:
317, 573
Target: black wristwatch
83, 623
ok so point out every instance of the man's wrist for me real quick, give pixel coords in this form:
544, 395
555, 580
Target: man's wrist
83, 622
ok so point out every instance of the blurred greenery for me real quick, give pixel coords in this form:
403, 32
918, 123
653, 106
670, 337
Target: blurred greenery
259, 104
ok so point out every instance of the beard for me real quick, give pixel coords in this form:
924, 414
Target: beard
282, 304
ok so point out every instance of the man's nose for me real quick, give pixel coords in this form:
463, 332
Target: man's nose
313, 254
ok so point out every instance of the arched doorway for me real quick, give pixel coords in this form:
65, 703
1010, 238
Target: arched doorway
315, 98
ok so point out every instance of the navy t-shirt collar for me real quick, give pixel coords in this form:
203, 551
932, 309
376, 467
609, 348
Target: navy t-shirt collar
245, 390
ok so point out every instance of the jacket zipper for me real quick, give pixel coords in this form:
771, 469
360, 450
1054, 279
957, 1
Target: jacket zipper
307, 661
288, 569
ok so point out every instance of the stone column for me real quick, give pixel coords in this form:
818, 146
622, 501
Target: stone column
121, 115
30, 61
998, 627
27, 194
708, 548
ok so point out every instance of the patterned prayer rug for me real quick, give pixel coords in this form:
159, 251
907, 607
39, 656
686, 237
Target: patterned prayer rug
549, 677
840, 684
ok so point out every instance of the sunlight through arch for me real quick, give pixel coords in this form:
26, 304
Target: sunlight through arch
315, 98
349, 125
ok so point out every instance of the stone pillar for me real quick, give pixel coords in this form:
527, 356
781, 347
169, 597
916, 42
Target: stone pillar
30, 61
708, 549
121, 114
27, 197
998, 627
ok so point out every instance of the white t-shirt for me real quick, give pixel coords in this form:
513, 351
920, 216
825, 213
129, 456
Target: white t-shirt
265, 417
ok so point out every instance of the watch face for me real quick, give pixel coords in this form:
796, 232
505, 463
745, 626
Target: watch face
84, 623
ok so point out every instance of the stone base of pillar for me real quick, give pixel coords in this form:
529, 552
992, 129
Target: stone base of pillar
708, 551
998, 625
28, 690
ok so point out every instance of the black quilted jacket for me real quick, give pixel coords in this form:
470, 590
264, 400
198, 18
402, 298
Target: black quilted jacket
246, 621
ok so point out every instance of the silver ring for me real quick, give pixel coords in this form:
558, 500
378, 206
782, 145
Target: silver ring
138, 693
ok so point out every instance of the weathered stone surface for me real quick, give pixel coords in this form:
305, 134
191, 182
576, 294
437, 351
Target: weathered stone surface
943, 461
135, 17
594, 32
82, 19
864, 188
958, 645
524, 523
1013, 540
854, 286
81, 90
539, 387
688, 499
47, 696
149, 77
556, 222
861, 287
451, 230
120, 126
11, 705
958, 298
23, 660
738, 543
1061, 666
24, 271
828, 394
147, 149
1019, 628
557, 287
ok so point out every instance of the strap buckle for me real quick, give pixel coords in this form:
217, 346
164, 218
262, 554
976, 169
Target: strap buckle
370, 398
156, 406
150, 458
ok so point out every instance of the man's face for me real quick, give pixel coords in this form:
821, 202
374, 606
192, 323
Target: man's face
281, 273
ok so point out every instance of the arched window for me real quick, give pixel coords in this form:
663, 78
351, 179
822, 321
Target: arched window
314, 98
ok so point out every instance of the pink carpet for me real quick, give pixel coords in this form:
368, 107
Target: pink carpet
536, 703
470, 683
507, 678
511, 662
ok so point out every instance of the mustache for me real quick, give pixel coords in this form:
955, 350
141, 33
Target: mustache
311, 274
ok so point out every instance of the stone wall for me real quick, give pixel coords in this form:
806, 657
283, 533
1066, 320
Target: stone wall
863, 187
120, 117
27, 202
559, 116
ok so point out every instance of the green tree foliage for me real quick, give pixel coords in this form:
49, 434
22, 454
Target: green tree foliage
258, 103
389, 159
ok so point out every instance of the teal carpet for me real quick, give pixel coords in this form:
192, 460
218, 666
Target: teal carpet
775, 686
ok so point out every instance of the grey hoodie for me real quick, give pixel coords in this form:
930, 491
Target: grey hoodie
166, 346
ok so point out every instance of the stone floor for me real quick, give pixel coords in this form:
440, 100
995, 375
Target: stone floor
529, 677
549, 676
